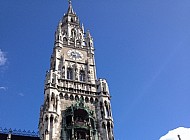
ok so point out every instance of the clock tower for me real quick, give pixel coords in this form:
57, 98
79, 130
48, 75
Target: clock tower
76, 104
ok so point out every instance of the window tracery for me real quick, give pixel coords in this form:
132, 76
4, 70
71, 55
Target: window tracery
70, 73
82, 75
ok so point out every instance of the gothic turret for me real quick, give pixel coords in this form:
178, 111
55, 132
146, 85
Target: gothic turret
76, 103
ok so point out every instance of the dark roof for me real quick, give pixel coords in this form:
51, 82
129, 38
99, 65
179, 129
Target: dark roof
18, 134
18, 137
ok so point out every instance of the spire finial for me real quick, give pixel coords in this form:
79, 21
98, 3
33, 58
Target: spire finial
70, 10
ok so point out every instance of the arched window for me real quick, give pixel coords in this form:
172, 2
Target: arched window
61, 95
71, 98
82, 76
46, 131
66, 96
101, 105
76, 97
64, 39
82, 98
52, 96
108, 126
96, 100
72, 20
46, 119
69, 73
86, 99
73, 33
91, 100
51, 118
103, 125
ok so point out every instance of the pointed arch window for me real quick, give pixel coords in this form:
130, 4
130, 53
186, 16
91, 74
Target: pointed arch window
82, 76
61, 95
73, 33
72, 20
64, 39
70, 73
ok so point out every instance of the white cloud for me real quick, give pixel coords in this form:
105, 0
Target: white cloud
183, 133
3, 88
3, 58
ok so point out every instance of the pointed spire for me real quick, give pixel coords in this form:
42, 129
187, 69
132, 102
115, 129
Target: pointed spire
70, 9
82, 28
88, 34
59, 26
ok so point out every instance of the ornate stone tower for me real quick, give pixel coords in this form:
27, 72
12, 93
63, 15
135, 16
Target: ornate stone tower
76, 103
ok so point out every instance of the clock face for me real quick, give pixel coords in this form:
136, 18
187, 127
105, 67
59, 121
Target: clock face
75, 54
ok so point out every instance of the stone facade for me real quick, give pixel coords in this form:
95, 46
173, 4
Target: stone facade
76, 103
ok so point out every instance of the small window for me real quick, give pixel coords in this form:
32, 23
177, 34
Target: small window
72, 20
66, 96
52, 96
71, 98
86, 100
69, 73
103, 125
64, 39
82, 76
46, 131
46, 119
51, 119
73, 33
108, 126
61, 95
76, 98
91, 100
96, 100
82, 98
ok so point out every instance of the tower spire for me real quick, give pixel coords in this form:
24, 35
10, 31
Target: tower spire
76, 104
70, 9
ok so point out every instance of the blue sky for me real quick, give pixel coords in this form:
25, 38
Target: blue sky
142, 49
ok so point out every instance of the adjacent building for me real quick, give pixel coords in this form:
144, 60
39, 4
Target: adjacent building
9, 134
